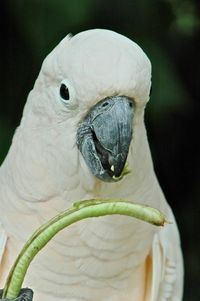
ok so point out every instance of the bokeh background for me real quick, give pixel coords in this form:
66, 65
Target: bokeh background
168, 31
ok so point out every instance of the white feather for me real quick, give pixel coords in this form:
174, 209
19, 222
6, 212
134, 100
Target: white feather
3, 240
165, 265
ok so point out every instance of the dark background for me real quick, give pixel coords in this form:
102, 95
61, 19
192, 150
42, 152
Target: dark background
168, 31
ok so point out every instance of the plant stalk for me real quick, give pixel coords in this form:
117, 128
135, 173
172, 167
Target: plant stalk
80, 210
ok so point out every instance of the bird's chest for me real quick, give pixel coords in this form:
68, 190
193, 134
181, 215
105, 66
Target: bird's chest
93, 259
99, 259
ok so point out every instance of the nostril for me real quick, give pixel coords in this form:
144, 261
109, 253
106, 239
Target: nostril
105, 104
130, 104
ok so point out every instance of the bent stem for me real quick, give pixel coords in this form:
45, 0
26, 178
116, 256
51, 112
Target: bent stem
80, 210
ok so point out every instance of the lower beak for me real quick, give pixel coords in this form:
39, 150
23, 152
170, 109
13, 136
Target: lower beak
104, 137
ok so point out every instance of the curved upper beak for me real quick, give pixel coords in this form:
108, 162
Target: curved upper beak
104, 137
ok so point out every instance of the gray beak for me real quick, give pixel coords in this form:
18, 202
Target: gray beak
104, 137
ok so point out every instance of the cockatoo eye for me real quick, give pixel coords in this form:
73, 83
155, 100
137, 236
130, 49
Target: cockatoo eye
67, 93
64, 92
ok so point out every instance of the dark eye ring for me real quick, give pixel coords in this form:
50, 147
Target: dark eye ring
64, 92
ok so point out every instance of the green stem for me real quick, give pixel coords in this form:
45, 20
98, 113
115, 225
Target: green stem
80, 210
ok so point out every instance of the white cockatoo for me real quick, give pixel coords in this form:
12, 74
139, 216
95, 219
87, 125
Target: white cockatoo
82, 121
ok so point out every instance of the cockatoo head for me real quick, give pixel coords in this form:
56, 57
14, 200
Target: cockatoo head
94, 86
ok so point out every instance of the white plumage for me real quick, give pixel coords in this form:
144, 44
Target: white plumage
106, 259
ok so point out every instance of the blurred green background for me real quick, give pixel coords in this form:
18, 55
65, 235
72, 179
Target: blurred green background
168, 31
